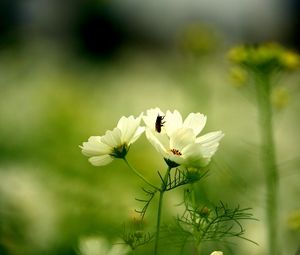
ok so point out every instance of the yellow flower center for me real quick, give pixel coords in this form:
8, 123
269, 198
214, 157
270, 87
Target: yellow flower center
176, 152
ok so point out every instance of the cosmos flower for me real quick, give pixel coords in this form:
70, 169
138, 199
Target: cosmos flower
177, 140
101, 150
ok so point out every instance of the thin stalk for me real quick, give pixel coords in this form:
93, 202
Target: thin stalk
161, 194
194, 205
263, 89
182, 247
139, 174
159, 210
197, 249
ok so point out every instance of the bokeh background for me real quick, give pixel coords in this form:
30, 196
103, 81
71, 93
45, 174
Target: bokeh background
71, 69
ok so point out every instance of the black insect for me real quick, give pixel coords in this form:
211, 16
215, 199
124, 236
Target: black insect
159, 123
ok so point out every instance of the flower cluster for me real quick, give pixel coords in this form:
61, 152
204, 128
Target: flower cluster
187, 153
177, 140
267, 58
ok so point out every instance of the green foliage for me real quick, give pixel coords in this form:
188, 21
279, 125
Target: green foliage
50, 196
215, 224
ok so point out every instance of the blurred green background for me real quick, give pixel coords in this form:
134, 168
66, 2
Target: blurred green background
71, 69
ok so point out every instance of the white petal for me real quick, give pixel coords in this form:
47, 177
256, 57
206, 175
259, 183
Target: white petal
175, 158
101, 160
128, 127
192, 149
173, 121
210, 143
123, 122
210, 138
181, 138
197, 162
150, 117
94, 138
112, 138
159, 141
195, 121
217, 253
209, 151
94, 147
194, 156
137, 134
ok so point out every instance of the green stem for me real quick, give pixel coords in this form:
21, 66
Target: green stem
263, 88
194, 205
159, 210
140, 175
197, 248
182, 246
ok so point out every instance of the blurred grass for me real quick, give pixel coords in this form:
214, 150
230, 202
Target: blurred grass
50, 102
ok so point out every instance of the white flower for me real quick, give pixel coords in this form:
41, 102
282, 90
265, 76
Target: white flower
217, 253
115, 143
178, 142
99, 246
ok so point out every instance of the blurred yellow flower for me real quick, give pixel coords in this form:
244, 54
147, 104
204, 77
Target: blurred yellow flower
198, 39
238, 76
294, 220
265, 58
237, 54
290, 59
